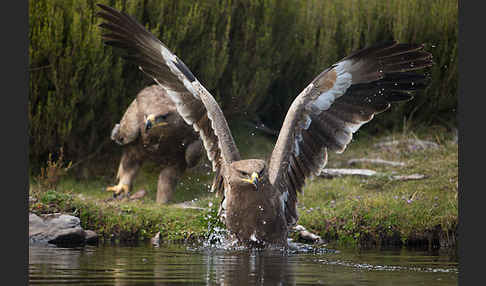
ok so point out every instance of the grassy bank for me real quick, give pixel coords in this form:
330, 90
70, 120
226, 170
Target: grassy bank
358, 211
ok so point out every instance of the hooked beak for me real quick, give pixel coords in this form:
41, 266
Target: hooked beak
253, 180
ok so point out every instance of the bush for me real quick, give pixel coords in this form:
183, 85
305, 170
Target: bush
49, 176
254, 56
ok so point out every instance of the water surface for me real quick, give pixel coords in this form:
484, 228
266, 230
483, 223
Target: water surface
179, 264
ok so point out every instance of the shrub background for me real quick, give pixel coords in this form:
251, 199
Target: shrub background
253, 56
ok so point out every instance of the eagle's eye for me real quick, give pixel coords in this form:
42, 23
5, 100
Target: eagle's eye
243, 173
161, 118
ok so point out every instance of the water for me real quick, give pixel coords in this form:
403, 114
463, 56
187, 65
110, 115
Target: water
183, 265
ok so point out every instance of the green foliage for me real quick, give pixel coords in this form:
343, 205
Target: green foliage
77, 89
55, 198
380, 210
254, 56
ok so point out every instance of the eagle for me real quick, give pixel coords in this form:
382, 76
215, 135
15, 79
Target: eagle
151, 129
259, 198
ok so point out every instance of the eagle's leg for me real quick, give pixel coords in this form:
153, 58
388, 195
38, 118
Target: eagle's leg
117, 189
130, 163
168, 178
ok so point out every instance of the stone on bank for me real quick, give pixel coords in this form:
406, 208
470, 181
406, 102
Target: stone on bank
59, 229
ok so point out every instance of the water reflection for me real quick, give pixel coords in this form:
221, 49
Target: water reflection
249, 268
176, 264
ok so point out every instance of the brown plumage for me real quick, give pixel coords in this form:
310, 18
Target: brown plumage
151, 129
260, 198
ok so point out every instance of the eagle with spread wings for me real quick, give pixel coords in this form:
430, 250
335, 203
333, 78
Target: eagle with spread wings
259, 198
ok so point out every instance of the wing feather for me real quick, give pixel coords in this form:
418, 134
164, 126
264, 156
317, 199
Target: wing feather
335, 105
193, 102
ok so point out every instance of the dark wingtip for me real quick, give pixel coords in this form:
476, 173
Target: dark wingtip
184, 69
104, 7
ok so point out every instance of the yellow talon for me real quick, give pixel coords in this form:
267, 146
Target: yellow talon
118, 189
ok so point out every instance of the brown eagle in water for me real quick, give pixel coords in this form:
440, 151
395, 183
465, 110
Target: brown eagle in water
259, 202
151, 129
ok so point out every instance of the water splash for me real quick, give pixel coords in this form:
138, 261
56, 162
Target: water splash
217, 237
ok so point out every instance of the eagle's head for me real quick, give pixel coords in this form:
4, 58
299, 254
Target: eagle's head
248, 173
157, 120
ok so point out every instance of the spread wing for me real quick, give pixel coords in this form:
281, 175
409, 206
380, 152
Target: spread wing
334, 105
193, 102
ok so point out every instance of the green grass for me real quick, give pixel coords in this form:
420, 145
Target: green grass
348, 210
132, 220
378, 210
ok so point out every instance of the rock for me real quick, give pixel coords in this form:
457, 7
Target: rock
36, 225
138, 195
409, 177
189, 205
72, 236
90, 237
411, 144
376, 161
331, 173
299, 228
307, 236
58, 229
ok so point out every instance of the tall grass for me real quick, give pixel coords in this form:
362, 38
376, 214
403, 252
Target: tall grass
254, 56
